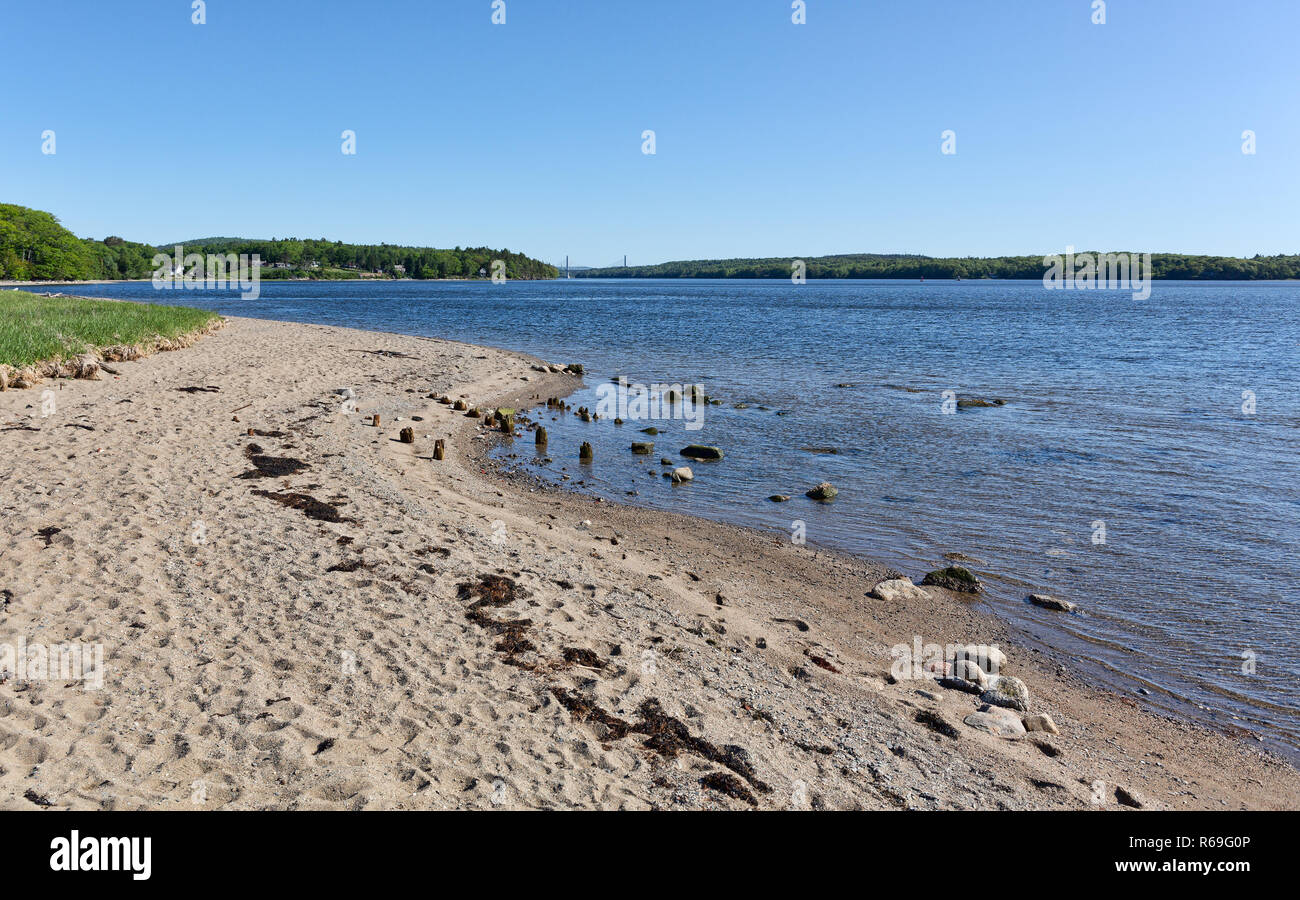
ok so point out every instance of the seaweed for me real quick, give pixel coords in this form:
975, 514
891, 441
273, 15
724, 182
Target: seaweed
310, 506
493, 591
581, 656
730, 785
271, 466
350, 566
665, 735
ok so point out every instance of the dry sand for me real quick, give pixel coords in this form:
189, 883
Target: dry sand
275, 660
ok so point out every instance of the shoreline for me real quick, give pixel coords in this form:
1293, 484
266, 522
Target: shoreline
434, 699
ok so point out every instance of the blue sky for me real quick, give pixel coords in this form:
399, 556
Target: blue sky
772, 138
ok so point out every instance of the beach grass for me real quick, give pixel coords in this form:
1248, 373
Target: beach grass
35, 329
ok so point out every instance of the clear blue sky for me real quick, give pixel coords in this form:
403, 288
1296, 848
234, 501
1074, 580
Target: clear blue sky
773, 138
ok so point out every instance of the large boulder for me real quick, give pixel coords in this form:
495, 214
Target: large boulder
898, 589
954, 578
1008, 691
996, 721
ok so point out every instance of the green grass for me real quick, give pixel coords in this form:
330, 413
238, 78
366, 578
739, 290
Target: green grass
35, 329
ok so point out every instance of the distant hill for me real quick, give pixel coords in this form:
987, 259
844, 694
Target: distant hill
35, 247
900, 265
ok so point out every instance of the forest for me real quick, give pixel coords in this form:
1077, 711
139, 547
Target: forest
35, 247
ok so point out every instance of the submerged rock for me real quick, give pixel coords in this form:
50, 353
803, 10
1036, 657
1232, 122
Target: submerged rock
978, 403
779, 498
585, 452
701, 452
954, 578
1051, 603
824, 492
643, 448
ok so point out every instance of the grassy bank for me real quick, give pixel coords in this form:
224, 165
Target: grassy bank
37, 329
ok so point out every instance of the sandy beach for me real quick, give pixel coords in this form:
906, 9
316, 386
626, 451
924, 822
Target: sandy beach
319, 615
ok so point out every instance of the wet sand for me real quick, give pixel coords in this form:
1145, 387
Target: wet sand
358, 625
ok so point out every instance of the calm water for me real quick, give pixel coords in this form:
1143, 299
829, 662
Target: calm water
1122, 412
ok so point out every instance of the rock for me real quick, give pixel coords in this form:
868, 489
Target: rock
651, 430
683, 474
407, 435
701, 452
439, 449
779, 498
824, 492
1052, 603
643, 448
986, 656
996, 721
585, 452
978, 403
541, 437
673, 396
960, 684
1129, 798
1005, 690
898, 589
1042, 722
346, 393
966, 676
574, 368
954, 578
460, 406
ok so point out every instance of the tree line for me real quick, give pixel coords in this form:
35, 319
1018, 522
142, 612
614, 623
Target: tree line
35, 247
906, 266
